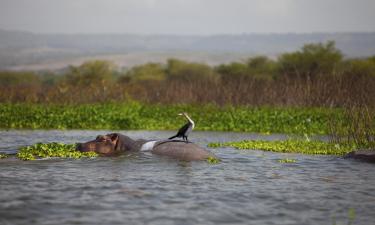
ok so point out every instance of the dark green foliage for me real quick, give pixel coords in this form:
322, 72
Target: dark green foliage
187, 71
89, 73
234, 69
262, 67
147, 72
361, 67
41, 150
311, 60
259, 67
18, 78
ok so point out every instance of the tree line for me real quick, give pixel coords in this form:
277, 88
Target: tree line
315, 75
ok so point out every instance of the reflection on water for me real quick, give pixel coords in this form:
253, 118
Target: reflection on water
247, 187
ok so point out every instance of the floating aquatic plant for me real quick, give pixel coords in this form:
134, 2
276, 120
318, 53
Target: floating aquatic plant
3, 155
286, 160
213, 160
42, 150
290, 146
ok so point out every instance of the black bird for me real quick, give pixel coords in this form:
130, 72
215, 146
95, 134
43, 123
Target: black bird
186, 129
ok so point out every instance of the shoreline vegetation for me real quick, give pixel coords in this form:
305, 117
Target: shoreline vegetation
348, 129
312, 91
317, 75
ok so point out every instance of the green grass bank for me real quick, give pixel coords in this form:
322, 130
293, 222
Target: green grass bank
136, 115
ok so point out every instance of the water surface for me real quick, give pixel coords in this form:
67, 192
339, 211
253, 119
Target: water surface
247, 187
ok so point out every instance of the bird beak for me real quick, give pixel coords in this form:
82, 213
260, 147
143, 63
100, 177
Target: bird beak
180, 114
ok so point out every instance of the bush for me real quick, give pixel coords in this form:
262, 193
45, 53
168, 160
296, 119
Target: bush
149, 71
256, 67
262, 67
187, 71
361, 67
313, 59
234, 69
91, 72
8, 78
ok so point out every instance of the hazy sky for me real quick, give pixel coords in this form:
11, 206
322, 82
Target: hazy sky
187, 16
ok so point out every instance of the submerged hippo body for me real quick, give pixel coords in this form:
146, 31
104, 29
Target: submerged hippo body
362, 155
113, 144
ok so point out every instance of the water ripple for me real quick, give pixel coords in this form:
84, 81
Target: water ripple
247, 187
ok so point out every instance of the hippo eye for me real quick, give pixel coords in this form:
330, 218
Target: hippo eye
100, 138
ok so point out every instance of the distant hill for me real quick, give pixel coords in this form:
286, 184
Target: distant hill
26, 50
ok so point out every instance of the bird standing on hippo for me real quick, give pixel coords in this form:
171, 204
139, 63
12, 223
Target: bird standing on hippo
186, 129
115, 143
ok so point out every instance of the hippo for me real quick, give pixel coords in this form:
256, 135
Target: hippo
115, 144
362, 155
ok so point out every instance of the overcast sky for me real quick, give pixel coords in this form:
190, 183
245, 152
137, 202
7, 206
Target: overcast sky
187, 16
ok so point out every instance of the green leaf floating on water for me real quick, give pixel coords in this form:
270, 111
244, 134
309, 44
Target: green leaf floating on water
286, 160
290, 146
46, 150
213, 160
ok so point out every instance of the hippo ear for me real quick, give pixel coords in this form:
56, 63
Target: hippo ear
114, 138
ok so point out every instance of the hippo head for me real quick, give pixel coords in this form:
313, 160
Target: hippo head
103, 144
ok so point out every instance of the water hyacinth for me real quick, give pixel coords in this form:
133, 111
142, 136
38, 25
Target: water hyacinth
290, 146
135, 115
213, 160
286, 160
46, 150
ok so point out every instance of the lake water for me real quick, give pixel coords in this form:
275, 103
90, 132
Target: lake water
246, 187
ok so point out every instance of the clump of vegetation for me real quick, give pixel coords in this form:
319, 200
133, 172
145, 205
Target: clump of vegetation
148, 72
213, 160
187, 71
2, 156
95, 72
287, 160
311, 60
136, 115
41, 150
290, 146
358, 127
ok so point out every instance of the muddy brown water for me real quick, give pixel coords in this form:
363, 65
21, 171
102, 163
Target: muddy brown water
246, 187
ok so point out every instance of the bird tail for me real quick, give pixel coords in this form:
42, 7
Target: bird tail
173, 137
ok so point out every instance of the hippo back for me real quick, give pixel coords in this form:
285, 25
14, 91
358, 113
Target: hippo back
181, 150
363, 155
